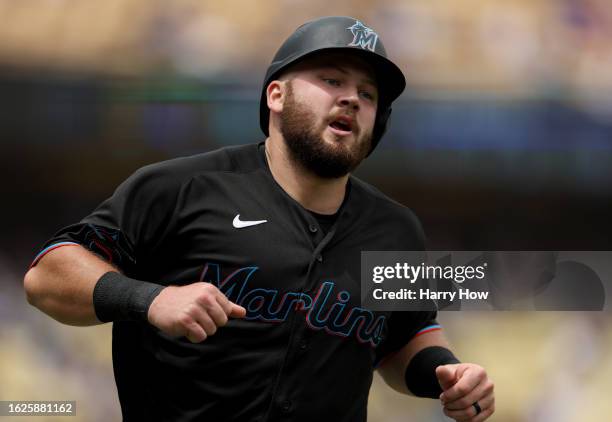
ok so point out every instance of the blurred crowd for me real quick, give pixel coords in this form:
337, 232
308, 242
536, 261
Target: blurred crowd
520, 47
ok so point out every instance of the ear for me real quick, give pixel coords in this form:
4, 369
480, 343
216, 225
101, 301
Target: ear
275, 94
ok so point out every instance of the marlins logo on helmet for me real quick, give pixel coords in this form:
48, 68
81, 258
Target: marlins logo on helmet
363, 36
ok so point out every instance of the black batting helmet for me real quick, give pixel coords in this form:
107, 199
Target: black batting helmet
338, 33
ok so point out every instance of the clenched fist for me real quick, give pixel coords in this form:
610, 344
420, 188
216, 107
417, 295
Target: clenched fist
194, 311
468, 392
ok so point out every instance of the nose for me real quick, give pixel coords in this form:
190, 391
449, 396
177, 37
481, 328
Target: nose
350, 99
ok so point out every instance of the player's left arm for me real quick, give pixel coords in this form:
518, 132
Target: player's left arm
425, 367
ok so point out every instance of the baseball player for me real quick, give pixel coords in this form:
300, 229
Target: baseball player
232, 277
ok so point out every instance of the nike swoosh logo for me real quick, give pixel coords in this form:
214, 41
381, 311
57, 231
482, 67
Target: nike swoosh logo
239, 224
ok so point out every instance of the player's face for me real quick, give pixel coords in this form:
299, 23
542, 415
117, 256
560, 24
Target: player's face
329, 112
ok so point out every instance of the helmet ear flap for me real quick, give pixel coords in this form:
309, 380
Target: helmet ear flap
380, 126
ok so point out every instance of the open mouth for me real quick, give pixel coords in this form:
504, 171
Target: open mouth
342, 126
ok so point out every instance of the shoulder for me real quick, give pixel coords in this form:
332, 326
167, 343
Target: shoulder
383, 203
179, 171
226, 159
387, 211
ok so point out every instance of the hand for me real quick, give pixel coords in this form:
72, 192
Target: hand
194, 311
464, 384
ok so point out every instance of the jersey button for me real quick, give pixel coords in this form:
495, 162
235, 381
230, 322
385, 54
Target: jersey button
303, 345
320, 258
286, 406
313, 228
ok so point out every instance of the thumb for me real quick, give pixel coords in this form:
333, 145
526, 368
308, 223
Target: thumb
237, 311
447, 376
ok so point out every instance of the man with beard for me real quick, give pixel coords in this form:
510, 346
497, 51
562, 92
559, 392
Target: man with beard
231, 277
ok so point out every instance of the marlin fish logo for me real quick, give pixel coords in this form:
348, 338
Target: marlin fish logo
363, 36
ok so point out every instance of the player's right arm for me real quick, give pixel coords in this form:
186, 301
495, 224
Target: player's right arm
62, 286
78, 277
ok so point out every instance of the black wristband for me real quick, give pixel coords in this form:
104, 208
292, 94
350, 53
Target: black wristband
420, 374
120, 298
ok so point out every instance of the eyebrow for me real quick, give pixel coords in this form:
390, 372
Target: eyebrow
344, 71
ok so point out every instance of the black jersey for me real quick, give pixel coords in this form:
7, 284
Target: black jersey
306, 348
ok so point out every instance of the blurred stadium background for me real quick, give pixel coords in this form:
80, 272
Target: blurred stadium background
502, 141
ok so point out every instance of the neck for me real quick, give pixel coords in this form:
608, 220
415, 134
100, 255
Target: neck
321, 195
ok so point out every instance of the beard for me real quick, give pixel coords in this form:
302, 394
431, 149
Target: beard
298, 125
